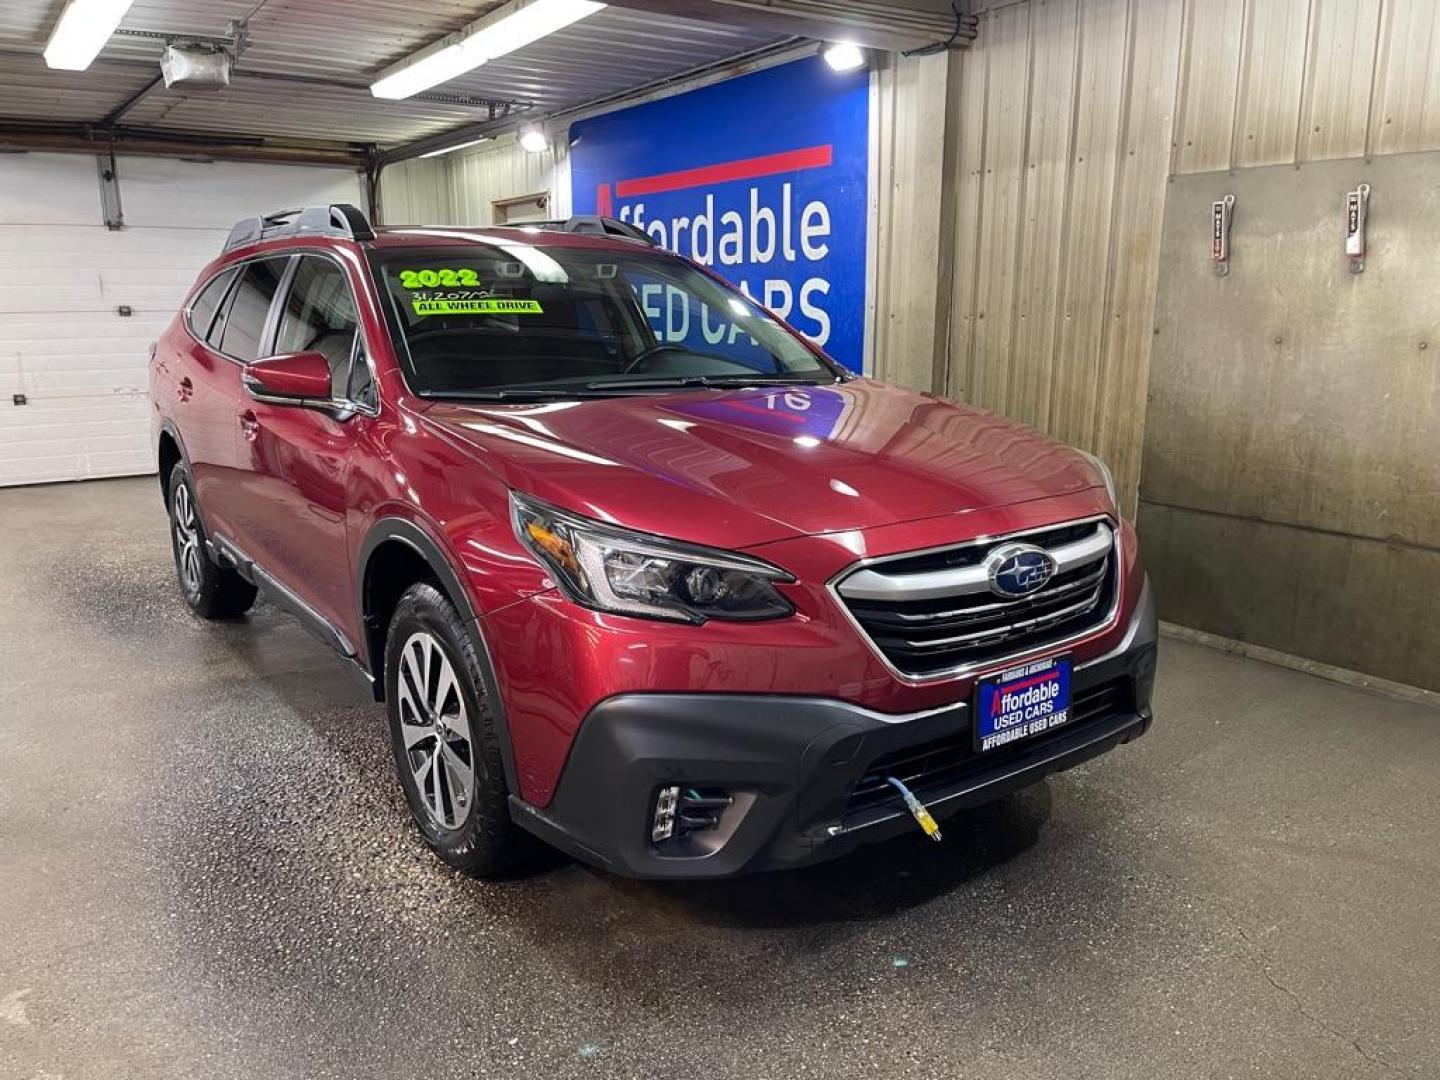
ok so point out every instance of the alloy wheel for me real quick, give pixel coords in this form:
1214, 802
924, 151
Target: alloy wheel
435, 728
187, 540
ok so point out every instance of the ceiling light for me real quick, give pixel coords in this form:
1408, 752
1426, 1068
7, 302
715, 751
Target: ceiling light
81, 32
533, 140
460, 146
844, 56
511, 27
431, 69
524, 24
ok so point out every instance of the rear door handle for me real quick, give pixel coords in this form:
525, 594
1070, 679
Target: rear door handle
186, 389
249, 425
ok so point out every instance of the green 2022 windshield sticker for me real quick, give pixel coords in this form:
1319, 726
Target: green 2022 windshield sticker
447, 278
485, 306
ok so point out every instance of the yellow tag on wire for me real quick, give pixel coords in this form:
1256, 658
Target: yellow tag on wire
917, 809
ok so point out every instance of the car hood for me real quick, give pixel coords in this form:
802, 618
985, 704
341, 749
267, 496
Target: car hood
744, 467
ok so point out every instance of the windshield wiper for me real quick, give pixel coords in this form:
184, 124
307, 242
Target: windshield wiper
706, 382
516, 393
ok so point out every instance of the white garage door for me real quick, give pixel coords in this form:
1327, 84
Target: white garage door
65, 349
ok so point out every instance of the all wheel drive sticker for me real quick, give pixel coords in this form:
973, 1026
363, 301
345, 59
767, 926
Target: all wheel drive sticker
455, 291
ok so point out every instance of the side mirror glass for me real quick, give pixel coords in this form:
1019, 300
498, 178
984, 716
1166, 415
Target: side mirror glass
301, 378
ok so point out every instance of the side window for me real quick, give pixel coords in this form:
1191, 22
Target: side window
203, 308
319, 316
249, 306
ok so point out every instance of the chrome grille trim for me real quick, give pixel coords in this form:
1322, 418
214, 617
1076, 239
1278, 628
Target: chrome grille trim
1010, 630
892, 627
934, 584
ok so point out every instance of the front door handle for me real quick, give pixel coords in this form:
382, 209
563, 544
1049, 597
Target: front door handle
249, 425
186, 390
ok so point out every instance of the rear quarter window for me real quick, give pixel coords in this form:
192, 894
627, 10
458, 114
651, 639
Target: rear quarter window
207, 302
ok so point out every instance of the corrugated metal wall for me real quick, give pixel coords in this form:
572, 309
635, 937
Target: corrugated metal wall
1065, 122
462, 188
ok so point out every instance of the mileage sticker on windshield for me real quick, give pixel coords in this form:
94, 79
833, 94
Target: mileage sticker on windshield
1022, 703
487, 306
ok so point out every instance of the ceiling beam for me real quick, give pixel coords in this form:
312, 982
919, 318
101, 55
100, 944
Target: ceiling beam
894, 25
90, 139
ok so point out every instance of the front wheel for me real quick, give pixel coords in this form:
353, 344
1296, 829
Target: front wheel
447, 747
212, 591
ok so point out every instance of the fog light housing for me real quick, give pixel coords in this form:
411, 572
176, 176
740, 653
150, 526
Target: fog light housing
681, 810
663, 826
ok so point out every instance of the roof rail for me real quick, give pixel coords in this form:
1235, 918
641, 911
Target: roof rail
337, 219
592, 225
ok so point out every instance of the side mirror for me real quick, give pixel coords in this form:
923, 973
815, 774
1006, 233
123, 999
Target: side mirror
301, 378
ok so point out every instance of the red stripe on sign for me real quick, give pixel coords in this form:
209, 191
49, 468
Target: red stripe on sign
814, 157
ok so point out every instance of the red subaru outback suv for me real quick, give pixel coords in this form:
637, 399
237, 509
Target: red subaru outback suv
635, 567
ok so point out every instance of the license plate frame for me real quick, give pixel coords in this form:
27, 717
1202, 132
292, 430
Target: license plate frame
1031, 710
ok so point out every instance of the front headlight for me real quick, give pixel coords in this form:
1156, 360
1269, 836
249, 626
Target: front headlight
632, 573
1106, 475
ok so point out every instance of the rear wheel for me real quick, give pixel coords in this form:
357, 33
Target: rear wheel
213, 592
447, 746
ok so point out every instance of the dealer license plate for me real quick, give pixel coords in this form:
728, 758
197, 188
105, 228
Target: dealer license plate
1022, 703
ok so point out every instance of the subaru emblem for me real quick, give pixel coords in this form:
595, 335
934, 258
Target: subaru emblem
1018, 570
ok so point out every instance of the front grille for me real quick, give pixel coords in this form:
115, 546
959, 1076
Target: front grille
934, 766
935, 612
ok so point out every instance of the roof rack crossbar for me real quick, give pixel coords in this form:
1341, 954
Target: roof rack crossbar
593, 225
336, 219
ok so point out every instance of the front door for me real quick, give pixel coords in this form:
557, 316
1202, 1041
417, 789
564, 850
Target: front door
294, 461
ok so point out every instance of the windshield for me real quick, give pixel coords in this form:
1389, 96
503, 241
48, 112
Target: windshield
506, 319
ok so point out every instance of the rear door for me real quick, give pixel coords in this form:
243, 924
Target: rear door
184, 360
291, 500
209, 389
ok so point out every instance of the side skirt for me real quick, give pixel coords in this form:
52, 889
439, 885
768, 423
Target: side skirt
224, 552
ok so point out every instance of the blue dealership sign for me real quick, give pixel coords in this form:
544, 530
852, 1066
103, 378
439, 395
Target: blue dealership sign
764, 178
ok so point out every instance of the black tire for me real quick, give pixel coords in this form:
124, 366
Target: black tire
211, 591
466, 822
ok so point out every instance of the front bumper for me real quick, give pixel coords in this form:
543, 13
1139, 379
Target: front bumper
801, 771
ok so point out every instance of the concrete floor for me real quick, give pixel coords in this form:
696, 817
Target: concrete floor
206, 870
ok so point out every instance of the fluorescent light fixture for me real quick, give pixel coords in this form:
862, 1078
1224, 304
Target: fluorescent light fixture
844, 56
513, 26
81, 32
460, 146
524, 24
412, 76
533, 140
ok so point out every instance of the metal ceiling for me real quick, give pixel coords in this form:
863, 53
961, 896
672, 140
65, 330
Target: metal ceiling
304, 73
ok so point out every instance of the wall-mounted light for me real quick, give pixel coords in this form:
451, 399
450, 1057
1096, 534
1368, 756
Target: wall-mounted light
460, 146
81, 32
534, 141
843, 56
511, 27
